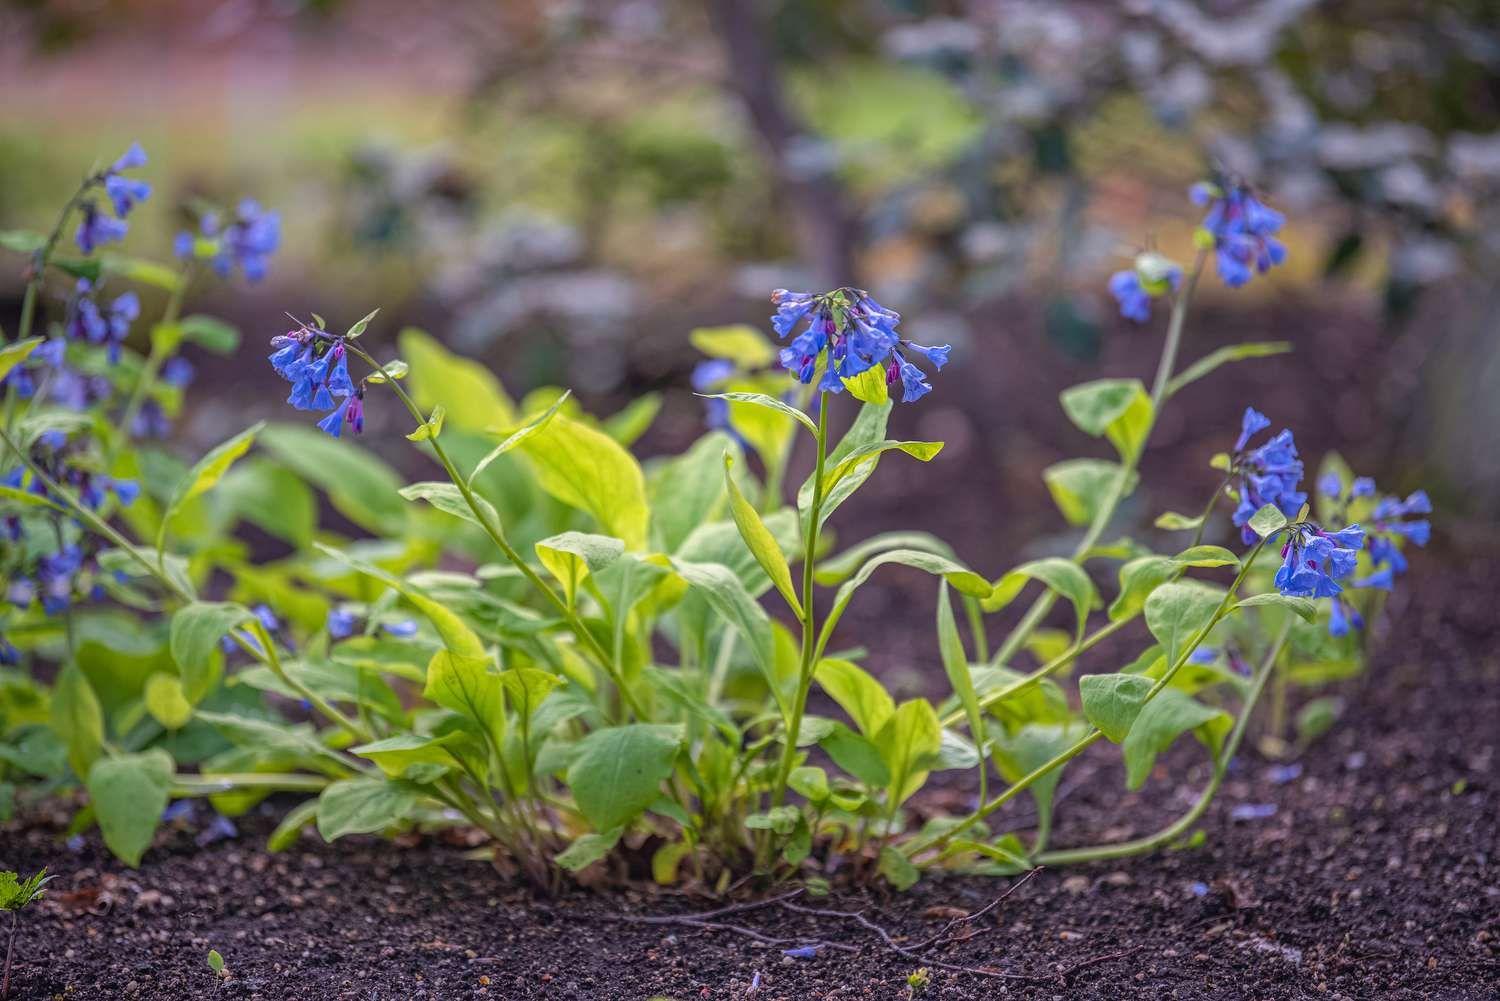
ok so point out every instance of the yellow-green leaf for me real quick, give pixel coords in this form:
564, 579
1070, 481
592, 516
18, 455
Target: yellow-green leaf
761, 542
589, 470
473, 396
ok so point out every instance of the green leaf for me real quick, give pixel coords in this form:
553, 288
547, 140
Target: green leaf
768, 402
22, 241
571, 556
194, 641
869, 386
588, 849
856, 755
215, 961
1161, 721
1235, 352
364, 806
272, 498
1177, 612
77, 718
1079, 487
1267, 521
923, 451
528, 688
394, 755
431, 427
468, 687
210, 333
1021, 752
758, 538
724, 590
207, 471
956, 663
291, 826
627, 424
742, 344
688, 490
446, 497
1063, 576
391, 370
1139, 577
1171, 521
361, 326
839, 568
1307, 608
908, 740
360, 486
1113, 701
868, 428
519, 435
472, 395
166, 702
897, 869
30, 499
962, 578
809, 782
618, 771
128, 794
138, 269
589, 470
12, 355
1118, 408
857, 692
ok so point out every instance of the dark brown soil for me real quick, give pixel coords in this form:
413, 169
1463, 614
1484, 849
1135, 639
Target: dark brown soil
1378, 876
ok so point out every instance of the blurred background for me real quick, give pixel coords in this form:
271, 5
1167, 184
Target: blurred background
565, 189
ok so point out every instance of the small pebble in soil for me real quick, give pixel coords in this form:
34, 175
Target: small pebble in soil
1253, 811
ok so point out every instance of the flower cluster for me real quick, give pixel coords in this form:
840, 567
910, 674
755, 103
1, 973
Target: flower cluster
69, 573
97, 229
1150, 276
856, 334
1267, 474
316, 363
1240, 229
247, 242
1315, 560
109, 326
1391, 525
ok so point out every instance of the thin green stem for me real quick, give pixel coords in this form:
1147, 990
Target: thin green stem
1117, 489
1183, 824
809, 618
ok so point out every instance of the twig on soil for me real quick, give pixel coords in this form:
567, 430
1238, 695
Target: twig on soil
917, 952
701, 920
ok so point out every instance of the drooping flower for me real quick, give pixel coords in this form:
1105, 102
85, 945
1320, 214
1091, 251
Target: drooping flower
1135, 287
55, 575
334, 422
1314, 561
341, 624
404, 628
125, 192
1241, 230
1267, 474
96, 229
178, 372
849, 333
709, 376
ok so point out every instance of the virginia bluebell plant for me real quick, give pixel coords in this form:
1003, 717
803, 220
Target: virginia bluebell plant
567, 649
